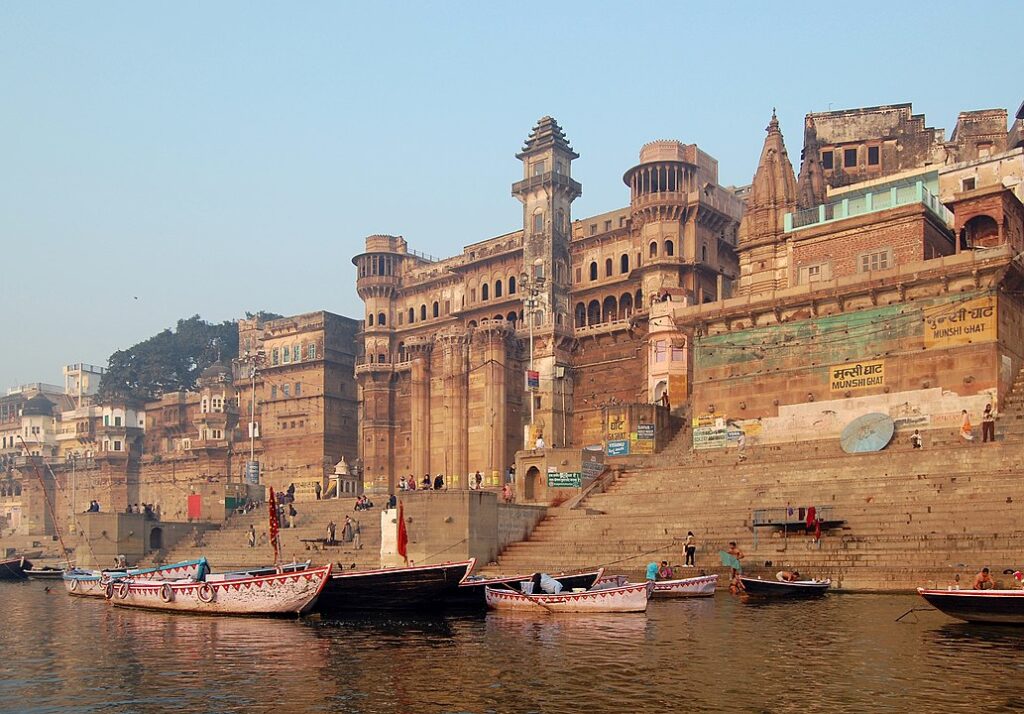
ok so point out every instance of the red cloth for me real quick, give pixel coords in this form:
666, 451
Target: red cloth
272, 506
810, 516
403, 535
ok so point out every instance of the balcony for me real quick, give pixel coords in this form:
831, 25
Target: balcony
550, 178
866, 203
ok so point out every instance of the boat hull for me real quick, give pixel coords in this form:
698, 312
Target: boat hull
291, 593
703, 586
779, 589
422, 587
1000, 607
625, 598
93, 583
14, 569
45, 574
471, 593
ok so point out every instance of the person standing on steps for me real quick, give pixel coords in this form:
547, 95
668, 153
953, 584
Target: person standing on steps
319, 490
252, 536
741, 446
965, 426
331, 528
690, 547
988, 424
291, 515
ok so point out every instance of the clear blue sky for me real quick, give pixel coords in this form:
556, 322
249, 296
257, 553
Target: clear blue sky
159, 160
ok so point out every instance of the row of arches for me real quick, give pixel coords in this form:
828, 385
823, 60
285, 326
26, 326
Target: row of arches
498, 289
612, 308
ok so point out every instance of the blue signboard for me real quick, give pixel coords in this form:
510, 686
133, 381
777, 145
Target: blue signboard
618, 447
252, 472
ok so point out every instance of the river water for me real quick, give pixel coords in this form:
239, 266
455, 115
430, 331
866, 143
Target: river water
843, 653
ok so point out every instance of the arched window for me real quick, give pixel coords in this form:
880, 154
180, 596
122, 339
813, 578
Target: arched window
670, 248
593, 270
369, 320
610, 309
497, 288
704, 253
624, 263
382, 319
608, 268
654, 249
499, 317
485, 292
382, 358
472, 323
436, 309
412, 315
512, 317
594, 313
981, 230
639, 262
423, 311
512, 285
638, 302
581, 314
538, 222
625, 306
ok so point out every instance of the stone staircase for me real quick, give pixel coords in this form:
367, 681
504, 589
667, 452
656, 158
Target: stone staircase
228, 547
910, 517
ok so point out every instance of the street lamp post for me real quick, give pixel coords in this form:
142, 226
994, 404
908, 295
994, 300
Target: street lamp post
534, 284
252, 358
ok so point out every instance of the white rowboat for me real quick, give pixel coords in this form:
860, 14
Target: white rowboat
624, 598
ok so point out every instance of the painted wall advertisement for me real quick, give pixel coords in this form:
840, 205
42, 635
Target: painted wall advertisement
565, 479
855, 376
710, 437
592, 461
618, 425
960, 323
643, 439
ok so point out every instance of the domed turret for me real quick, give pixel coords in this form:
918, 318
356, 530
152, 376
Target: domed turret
37, 406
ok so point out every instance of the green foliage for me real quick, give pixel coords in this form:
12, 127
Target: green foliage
169, 361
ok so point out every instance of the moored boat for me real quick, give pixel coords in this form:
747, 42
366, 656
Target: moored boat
46, 573
14, 568
93, 583
783, 588
421, 587
612, 598
1003, 607
470, 592
254, 595
702, 586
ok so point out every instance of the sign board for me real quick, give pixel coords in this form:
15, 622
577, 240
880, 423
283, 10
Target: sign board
645, 431
565, 479
708, 420
618, 447
855, 376
710, 437
252, 472
960, 323
641, 446
618, 425
532, 379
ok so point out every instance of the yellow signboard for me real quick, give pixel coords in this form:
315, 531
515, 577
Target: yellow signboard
856, 375
640, 446
960, 323
618, 424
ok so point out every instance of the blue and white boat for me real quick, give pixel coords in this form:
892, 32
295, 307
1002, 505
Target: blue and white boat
94, 583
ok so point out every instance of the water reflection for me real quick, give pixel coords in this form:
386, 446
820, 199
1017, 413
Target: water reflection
840, 653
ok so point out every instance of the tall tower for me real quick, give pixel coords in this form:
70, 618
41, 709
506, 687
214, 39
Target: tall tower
810, 184
764, 263
547, 192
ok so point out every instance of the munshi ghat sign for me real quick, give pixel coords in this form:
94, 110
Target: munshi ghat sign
856, 375
960, 323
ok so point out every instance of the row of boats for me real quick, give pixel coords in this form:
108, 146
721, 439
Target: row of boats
298, 588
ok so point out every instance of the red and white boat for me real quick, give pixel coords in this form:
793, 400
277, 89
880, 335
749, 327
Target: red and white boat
93, 583
228, 594
601, 598
703, 586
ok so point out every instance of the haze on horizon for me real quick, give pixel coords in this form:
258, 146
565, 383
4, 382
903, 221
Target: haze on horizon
161, 162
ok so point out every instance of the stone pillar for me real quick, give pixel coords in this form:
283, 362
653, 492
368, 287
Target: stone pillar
419, 350
455, 370
493, 339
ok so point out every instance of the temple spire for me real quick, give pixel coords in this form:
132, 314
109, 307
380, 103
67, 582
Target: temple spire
810, 185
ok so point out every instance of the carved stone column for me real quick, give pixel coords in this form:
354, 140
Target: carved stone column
455, 371
419, 350
493, 339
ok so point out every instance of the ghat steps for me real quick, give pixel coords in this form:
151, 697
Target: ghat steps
910, 517
228, 547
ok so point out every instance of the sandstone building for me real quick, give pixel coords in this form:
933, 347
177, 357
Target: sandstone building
742, 305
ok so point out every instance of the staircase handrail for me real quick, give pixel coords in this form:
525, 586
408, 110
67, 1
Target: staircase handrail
606, 477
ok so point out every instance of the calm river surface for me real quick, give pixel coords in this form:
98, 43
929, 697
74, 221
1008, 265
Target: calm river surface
843, 653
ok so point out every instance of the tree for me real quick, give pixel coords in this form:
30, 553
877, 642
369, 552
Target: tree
169, 361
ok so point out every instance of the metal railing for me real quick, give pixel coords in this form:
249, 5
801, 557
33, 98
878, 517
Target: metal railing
868, 202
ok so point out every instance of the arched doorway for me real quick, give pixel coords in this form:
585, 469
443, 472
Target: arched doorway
981, 230
594, 313
532, 483
610, 310
581, 315
156, 539
659, 390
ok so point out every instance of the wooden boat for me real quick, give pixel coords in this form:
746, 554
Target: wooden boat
421, 587
602, 598
702, 586
1003, 607
47, 573
784, 589
291, 593
93, 583
14, 568
470, 592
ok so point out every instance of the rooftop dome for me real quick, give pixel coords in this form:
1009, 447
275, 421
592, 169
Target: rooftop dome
37, 406
216, 372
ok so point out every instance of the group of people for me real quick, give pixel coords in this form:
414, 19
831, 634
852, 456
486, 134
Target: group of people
409, 484
349, 532
362, 504
988, 425
147, 509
